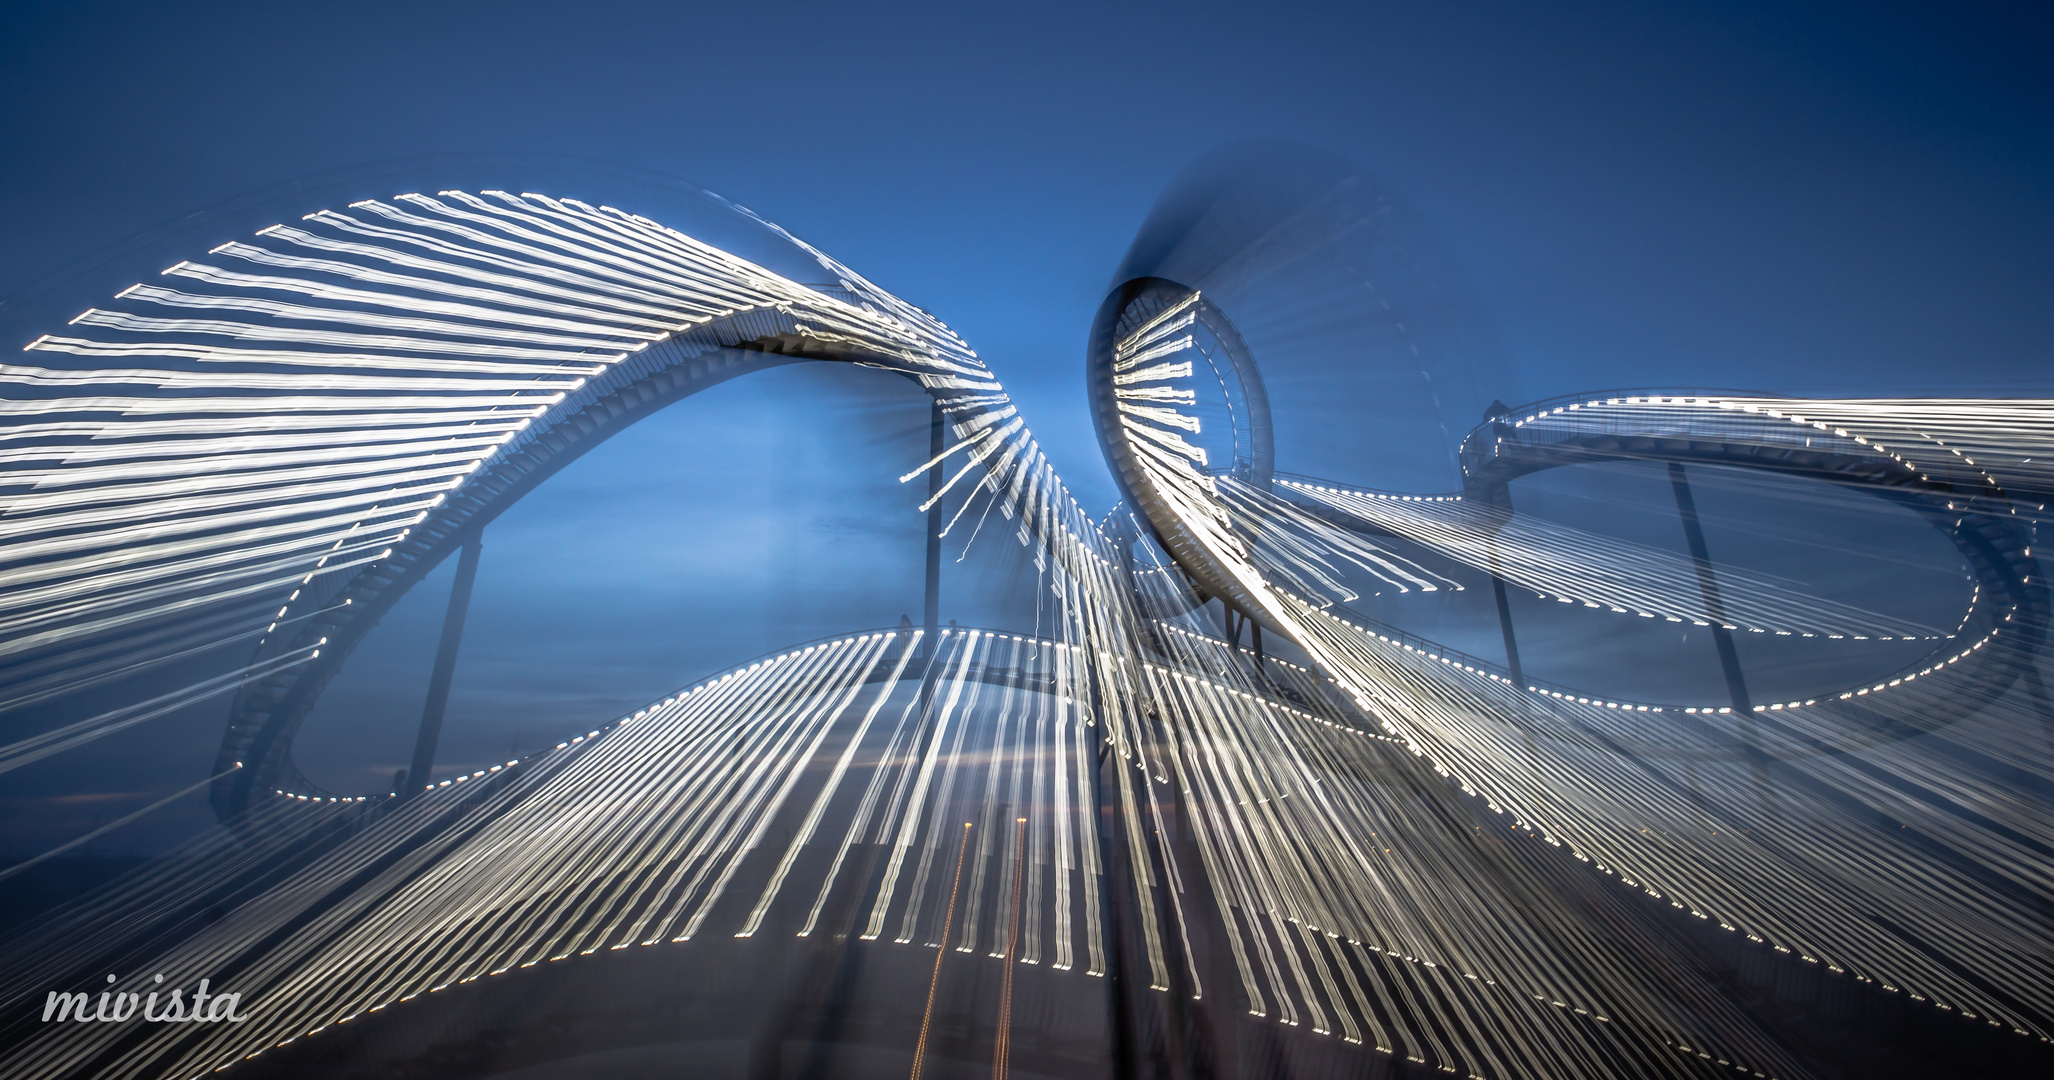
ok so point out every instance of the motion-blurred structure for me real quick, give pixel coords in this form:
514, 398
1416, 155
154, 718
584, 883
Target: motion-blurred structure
1210, 818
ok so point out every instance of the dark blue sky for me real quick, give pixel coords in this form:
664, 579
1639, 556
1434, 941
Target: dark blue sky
1787, 197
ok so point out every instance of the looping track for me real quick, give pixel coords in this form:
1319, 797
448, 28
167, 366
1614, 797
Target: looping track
1387, 852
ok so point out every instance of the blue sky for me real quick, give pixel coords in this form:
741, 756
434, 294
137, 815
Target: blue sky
1786, 197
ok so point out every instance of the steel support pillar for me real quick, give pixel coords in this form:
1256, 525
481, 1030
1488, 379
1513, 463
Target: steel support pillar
1504, 500
1715, 610
1230, 625
1505, 623
445, 669
1499, 496
931, 606
1715, 613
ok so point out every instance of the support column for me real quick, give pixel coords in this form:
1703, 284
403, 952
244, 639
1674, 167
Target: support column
931, 609
445, 668
1715, 613
1504, 500
1499, 497
1505, 623
1112, 899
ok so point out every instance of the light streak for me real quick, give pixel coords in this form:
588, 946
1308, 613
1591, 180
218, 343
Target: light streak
941, 951
1000, 1057
113, 825
37, 747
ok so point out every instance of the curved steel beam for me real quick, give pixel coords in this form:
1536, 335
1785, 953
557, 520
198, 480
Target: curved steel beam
268, 713
1128, 309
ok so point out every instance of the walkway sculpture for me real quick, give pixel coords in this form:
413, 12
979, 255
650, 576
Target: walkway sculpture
1337, 846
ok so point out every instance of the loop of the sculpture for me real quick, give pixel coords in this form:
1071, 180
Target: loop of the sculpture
1994, 544
1992, 540
268, 712
1126, 307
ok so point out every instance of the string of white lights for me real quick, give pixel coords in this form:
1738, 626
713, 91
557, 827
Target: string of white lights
496, 870
1316, 832
1575, 566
